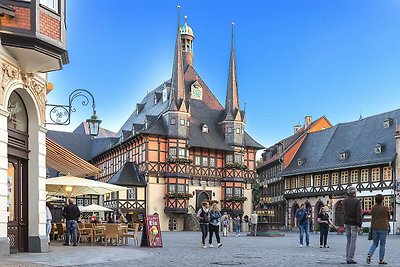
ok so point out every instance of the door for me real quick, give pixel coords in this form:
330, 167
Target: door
202, 196
339, 214
17, 204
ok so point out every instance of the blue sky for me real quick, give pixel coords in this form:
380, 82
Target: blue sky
294, 58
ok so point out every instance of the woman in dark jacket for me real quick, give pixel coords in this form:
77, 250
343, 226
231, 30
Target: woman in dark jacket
380, 228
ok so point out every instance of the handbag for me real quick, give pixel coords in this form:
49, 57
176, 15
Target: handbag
370, 234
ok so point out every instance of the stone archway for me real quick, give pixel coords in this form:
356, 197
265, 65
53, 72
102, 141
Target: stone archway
293, 210
308, 207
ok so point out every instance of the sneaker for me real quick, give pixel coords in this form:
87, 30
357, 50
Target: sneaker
309, 246
65, 244
204, 246
382, 262
238, 234
300, 246
368, 260
219, 245
351, 262
321, 246
211, 246
326, 246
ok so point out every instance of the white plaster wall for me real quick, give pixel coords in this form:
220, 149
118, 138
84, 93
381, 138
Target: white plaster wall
3, 173
155, 201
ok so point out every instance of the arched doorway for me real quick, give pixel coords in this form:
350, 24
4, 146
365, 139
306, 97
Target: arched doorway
202, 196
339, 213
294, 208
317, 209
17, 174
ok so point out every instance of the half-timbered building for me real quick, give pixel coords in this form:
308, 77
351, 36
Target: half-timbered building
272, 208
360, 153
180, 146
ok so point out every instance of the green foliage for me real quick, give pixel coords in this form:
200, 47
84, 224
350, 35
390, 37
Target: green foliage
236, 165
235, 199
178, 195
365, 230
332, 229
179, 160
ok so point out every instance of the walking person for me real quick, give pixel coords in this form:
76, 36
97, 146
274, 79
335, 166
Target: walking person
203, 214
49, 218
324, 222
71, 214
302, 221
215, 216
254, 220
352, 220
236, 223
380, 228
225, 224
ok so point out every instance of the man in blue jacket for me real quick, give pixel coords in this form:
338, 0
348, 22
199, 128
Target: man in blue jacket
302, 221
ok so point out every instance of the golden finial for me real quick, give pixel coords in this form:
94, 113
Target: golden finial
185, 17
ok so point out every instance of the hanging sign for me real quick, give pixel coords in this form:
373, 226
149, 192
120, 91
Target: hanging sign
151, 235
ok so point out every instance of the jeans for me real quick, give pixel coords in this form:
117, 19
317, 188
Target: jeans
351, 235
214, 229
305, 227
378, 236
237, 230
48, 229
323, 234
204, 232
71, 224
254, 229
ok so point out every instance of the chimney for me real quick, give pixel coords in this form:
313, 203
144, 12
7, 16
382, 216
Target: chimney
308, 121
297, 127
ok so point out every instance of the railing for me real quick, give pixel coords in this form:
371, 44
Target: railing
125, 204
176, 205
232, 205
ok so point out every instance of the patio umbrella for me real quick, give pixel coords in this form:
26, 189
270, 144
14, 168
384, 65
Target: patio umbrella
71, 186
93, 208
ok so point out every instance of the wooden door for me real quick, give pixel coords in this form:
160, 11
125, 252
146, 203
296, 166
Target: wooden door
202, 195
17, 204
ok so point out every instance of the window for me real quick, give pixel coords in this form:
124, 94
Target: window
364, 175
79, 202
182, 153
293, 182
344, 177
229, 159
173, 224
173, 121
197, 160
287, 183
387, 173
181, 188
131, 193
238, 191
301, 181
238, 158
238, 130
386, 123
375, 175
114, 195
115, 166
378, 149
317, 180
325, 179
182, 122
171, 188
204, 129
52, 4
140, 156
17, 118
308, 181
205, 162
335, 178
229, 129
354, 176
386, 201
212, 162
172, 152
343, 155
228, 191
368, 202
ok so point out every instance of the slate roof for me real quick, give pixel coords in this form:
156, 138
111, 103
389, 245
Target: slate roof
83, 128
82, 145
321, 150
128, 175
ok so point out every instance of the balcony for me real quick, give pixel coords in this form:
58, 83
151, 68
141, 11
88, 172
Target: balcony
178, 167
34, 34
233, 204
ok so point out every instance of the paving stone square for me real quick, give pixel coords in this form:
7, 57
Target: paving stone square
183, 249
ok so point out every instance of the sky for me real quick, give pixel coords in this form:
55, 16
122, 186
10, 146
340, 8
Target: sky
294, 58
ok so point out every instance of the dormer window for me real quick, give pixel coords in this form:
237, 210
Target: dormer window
173, 121
145, 124
387, 122
378, 149
182, 122
155, 99
300, 162
344, 155
204, 129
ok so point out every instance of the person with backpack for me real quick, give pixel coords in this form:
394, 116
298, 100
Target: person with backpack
215, 216
203, 214
302, 221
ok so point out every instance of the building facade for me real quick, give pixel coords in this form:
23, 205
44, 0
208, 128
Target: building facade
362, 153
32, 35
273, 205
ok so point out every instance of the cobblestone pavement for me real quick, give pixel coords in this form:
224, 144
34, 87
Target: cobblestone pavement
183, 249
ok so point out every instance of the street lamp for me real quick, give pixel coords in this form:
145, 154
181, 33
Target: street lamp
61, 114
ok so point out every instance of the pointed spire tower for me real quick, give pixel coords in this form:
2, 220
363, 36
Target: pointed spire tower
233, 123
177, 116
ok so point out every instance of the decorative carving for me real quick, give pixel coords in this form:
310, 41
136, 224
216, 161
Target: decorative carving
8, 73
39, 91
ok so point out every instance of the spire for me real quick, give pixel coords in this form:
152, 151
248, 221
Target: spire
177, 82
232, 96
